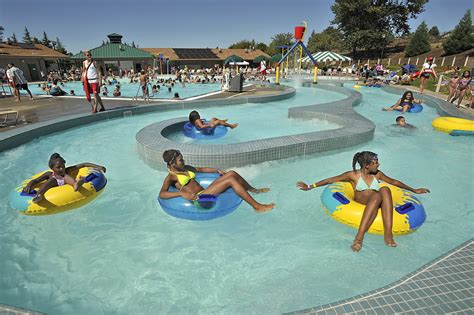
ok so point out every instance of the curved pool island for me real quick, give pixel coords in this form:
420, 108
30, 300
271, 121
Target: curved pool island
355, 129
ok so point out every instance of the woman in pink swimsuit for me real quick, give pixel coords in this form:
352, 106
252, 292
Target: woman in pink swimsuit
462, 86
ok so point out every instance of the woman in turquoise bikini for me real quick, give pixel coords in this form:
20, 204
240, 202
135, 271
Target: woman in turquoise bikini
368, 192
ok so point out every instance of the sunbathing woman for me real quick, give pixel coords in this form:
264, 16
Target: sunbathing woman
404, 104
182, 177
463, 85
58, 177
367, 191
196, 120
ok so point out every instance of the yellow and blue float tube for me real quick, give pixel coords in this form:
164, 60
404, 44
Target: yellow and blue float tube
454, 126
408, 212
60, 198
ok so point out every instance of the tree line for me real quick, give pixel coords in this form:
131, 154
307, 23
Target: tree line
28, 39
372, 26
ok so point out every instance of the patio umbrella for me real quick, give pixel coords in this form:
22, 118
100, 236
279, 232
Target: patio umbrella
260, 58
324, 56
276, 58
233, 58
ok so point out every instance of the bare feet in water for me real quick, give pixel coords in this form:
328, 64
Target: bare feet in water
264, 208
390, 242
356, 245
79, 183
232, 126
259, 190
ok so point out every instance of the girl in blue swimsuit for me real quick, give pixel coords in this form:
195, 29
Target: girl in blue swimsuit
404, 103
367, 191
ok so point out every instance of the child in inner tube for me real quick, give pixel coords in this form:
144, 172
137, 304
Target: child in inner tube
195, 119
367, 191
182, 177
405, 103
58, 177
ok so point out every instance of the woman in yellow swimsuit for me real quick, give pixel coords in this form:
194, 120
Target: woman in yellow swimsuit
182, 177
368, 192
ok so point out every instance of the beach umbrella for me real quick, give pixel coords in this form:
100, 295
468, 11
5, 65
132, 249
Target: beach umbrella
260, 58
276, 58
233, 58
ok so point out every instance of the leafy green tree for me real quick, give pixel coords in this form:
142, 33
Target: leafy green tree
45, 41
243, 44
419, 42
14, 40
262, 46
27, 37
329, 39
461, 38
371, 23
279, 40
434, 32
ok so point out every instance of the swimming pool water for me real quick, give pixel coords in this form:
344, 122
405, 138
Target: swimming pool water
131, 89
257, 122
121, 254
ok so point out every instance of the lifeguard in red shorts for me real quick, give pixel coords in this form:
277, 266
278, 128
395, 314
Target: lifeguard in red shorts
91, 79
263, 70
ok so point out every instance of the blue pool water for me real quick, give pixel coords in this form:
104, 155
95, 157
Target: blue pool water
121, 254
257, 122
131, 89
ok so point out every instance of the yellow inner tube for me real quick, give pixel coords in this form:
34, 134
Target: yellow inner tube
61, 198
448, 124
351, 213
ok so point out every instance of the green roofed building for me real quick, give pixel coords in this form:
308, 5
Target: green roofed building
115, 55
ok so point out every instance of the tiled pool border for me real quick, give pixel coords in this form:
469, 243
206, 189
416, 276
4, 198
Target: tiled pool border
441, 286
152, 140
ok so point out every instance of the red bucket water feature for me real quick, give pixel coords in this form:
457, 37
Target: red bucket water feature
299, 31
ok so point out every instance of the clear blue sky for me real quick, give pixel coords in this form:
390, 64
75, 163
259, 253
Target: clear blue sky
184, 23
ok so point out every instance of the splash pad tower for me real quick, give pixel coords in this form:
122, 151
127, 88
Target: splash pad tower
298, 45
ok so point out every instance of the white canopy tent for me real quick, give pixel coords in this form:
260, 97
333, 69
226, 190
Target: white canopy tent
325, 56
238, 63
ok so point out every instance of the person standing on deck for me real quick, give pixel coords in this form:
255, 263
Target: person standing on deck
91, 79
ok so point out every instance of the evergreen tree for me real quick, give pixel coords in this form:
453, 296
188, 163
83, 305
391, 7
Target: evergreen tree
36, 40
461, 39
60, 47
45, 41
1, 33
103, 43
133, 44
419, 42
434, 32
26, 37
14, 40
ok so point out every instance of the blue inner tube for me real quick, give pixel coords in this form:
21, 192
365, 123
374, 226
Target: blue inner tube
462, 133
416, 108
207, 208
191, 131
